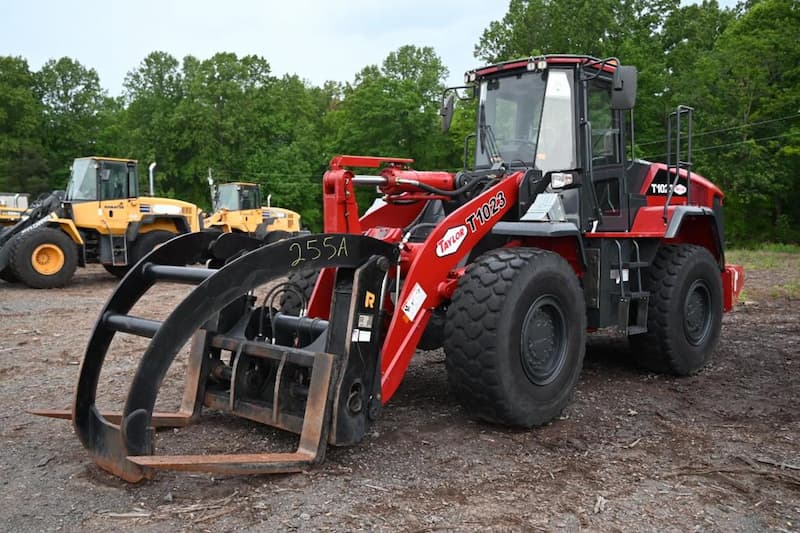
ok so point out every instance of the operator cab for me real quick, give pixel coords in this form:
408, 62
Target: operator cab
237, 196
97, 179
563, 118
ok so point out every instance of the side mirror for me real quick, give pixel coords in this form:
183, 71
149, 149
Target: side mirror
447, 112
623, 94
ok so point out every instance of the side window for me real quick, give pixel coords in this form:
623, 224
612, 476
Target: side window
133, 183
113, 181
248, 198
605, 148
608, 196
556, 144
605, 129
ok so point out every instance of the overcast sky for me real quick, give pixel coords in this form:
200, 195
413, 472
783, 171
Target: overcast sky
318, 40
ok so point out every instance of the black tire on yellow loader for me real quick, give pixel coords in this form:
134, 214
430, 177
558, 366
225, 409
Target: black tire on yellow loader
7, 275
147, 242
43, 258
276, 235
142, 246
118, 271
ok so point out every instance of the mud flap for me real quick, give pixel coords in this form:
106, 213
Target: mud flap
732, 284
267, 372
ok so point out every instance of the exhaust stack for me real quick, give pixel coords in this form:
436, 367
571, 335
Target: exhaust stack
150, 169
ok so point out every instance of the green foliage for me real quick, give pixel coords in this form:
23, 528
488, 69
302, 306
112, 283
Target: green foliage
737, 67
72, 102
777, 262
23, 164
393, 111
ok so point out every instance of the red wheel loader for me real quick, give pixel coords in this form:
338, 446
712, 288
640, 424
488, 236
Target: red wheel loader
555, 230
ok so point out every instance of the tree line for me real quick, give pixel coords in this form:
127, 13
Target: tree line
738, 67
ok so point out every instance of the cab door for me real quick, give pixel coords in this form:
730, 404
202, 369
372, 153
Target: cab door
117, 188
607, 142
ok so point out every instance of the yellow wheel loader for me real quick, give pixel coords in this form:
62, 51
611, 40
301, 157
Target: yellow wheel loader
237, 208
99, 219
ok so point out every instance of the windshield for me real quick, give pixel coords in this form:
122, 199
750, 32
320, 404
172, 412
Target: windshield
82, 181
236, 196
228, 197
530, 120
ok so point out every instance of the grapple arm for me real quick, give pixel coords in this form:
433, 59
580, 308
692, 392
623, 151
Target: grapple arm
219, 316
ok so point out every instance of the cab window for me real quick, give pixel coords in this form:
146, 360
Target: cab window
605, 128
113, 180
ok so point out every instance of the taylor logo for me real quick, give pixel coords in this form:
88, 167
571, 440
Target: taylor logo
451, 242
663, 189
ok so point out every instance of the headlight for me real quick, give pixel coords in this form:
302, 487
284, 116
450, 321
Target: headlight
559, 180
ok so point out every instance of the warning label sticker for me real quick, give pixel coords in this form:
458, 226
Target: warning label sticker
414, 302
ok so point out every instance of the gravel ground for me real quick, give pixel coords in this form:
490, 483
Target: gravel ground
634, 451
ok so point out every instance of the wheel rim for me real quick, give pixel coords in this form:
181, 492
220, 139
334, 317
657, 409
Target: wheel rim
697, 312
47, 259
543, 341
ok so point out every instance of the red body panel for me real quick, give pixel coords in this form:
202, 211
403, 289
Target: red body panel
427, 268
701, 191
430, 269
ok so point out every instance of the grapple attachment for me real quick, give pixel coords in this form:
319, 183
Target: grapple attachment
317, 377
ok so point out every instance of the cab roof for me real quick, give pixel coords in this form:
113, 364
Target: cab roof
103, 158
247, 183
541, 63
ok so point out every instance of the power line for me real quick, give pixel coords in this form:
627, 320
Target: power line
719, 146
741, 126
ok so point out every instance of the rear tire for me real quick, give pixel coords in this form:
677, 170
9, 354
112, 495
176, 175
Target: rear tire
276, 235
43, 258
118, 271
143, 245
515, 336
147, 242
684, 315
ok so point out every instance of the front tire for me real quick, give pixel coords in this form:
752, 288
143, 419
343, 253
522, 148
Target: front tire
7, 275
43, 258
684, 315
304, 280
515, 336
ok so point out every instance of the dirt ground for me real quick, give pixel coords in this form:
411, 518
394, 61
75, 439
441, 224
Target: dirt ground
634, 451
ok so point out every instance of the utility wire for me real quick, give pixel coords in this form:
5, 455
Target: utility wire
720, 146
731, 128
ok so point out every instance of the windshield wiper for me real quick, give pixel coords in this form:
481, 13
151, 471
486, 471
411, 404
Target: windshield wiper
487, 138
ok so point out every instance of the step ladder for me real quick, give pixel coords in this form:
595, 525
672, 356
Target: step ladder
633, 298
119, 247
